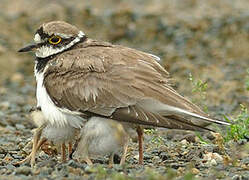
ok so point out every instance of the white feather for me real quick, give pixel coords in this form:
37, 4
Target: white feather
56, 134
37, 38
58, 117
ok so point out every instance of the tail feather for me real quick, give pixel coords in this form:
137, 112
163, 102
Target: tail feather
168, 110
186, 114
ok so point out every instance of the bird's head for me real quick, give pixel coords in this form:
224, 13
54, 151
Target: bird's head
54, 37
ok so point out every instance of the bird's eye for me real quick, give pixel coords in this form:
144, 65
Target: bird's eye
54, 40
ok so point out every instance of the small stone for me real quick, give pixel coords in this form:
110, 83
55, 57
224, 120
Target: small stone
184, 142
2, 49
3, 90
5, 105
10, 166
136, 157
242, 141
180, 170
75, 171
191, 138
217, 157
44, 171
210, 136
25, 170
195, 171
213, 162
8, 158
11, 128
89, 169
237, 177
20, 126
245, 160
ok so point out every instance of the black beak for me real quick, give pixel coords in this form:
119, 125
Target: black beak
29, 47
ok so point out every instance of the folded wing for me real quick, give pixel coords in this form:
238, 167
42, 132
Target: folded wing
123, 84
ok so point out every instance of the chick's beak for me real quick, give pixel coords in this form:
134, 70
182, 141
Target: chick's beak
28, 48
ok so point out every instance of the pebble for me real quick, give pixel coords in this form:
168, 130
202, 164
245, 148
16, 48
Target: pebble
210, 136
90, 169
20, 126
45, 171
209, 156
10, 166
4, 105
184, 142
242, 141
195, 171
75, 164
213, 162
237, 177
245, 160
25, 170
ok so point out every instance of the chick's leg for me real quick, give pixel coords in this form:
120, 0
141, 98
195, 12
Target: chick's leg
33, 153
125, 148
88, 161
140, 144
35, 148
111, 160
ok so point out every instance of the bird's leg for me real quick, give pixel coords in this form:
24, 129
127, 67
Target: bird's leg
111, 160
74, 147
63, 152
70, 149
140, 144
36, 138
33, 153
125, 148
88, 161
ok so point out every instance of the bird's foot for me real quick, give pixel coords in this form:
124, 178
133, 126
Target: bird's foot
88, 161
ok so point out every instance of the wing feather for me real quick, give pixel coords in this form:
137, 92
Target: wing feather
112, 81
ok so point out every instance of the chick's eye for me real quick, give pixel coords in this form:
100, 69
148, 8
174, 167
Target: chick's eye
54, 40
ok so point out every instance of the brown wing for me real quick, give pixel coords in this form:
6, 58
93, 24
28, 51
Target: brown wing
109, 80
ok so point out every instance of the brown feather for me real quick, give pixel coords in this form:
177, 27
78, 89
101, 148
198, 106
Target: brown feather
105, 79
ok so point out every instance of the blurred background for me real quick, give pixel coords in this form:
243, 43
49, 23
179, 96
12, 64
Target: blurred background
208, 39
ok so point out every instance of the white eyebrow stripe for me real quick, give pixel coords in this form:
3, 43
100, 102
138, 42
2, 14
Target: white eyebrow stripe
65, 36
37, 38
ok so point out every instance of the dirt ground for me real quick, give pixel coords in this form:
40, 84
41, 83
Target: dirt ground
209, 39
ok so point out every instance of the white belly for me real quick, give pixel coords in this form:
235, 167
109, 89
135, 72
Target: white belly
58, 117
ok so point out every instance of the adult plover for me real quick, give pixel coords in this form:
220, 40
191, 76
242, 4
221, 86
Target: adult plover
79, 78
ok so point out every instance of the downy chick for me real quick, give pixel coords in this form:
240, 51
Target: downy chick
99, 137
44, 132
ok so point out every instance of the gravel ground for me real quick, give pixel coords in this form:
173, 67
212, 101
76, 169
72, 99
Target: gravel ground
209, 39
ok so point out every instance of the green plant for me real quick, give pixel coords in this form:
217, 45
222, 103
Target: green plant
119, 176
199, 87
156, 139
101, 172
239, 129
189, 176
201, 138
247, 81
